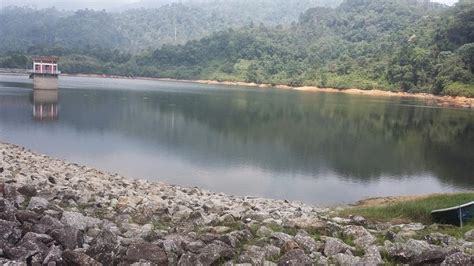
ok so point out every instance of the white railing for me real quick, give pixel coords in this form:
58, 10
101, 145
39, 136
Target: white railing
44, 72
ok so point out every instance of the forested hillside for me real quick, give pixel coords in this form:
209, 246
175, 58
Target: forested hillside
136, 30
409, 45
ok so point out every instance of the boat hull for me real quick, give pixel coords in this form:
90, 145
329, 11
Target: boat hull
456, 215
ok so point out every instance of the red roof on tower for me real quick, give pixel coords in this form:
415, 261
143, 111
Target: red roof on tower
45, 58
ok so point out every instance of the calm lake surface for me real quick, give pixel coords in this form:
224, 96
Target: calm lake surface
320, 148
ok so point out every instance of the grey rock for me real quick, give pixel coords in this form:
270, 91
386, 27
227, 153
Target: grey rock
79, 259
220, 230
51, 222
188, 259
362, 237
141, 250
9, 233
9, 191
104, 248
226, 219
27, 190
345, 259
195, 246
358, 220
26, 249
54, 255
279, 239
372, 256
70, 238
289, 245
269, 263
413, 227
434, 256
230, 239
295, 257
253, 254
35, 237
7, 210
27, 216
404, 236
405, 252
335, 246
144, 263
307, 243
38, 204
215, 251
459, 259
271, 251
469, 235
52, 180
264, 231
79, 221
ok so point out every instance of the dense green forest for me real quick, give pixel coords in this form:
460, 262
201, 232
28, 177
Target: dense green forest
408, 45
136, 30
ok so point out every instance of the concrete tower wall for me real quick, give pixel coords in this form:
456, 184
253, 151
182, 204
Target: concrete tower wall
45, 82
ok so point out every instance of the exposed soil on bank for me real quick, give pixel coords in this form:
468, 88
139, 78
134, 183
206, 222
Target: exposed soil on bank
442, 101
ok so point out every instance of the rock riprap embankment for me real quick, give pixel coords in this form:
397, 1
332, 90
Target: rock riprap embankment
57, 213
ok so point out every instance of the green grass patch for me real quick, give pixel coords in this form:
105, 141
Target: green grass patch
287, 230
418, 210
455, 231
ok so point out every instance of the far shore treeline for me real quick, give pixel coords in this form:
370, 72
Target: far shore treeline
401, 45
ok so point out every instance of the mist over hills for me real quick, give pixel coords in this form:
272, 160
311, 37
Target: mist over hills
120, 5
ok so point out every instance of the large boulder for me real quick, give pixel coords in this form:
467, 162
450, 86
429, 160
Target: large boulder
459, 258
418, 252
469, 235
434, 256
54, 256
79, 259
307, 243
104, 248
27, 190
27, 248
68, 237
141, 250
295, 257
79, 221
188, 259
215, 251
254, 255
38, 204
279, 239
7, 210
263, 231
362, 237
346, 259
10, 233
335, 246
27, 216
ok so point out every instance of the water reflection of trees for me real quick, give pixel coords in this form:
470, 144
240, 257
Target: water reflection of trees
358, 138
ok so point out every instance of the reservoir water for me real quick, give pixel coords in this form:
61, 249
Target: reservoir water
320, 148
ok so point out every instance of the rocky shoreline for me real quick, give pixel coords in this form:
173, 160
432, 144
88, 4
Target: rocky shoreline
57, 213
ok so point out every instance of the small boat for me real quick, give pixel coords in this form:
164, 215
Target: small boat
457, 215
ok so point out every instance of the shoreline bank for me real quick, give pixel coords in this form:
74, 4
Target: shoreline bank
54, 211
436, 100
431, 99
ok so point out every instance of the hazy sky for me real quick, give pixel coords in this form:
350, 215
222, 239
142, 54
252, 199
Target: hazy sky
74, 4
